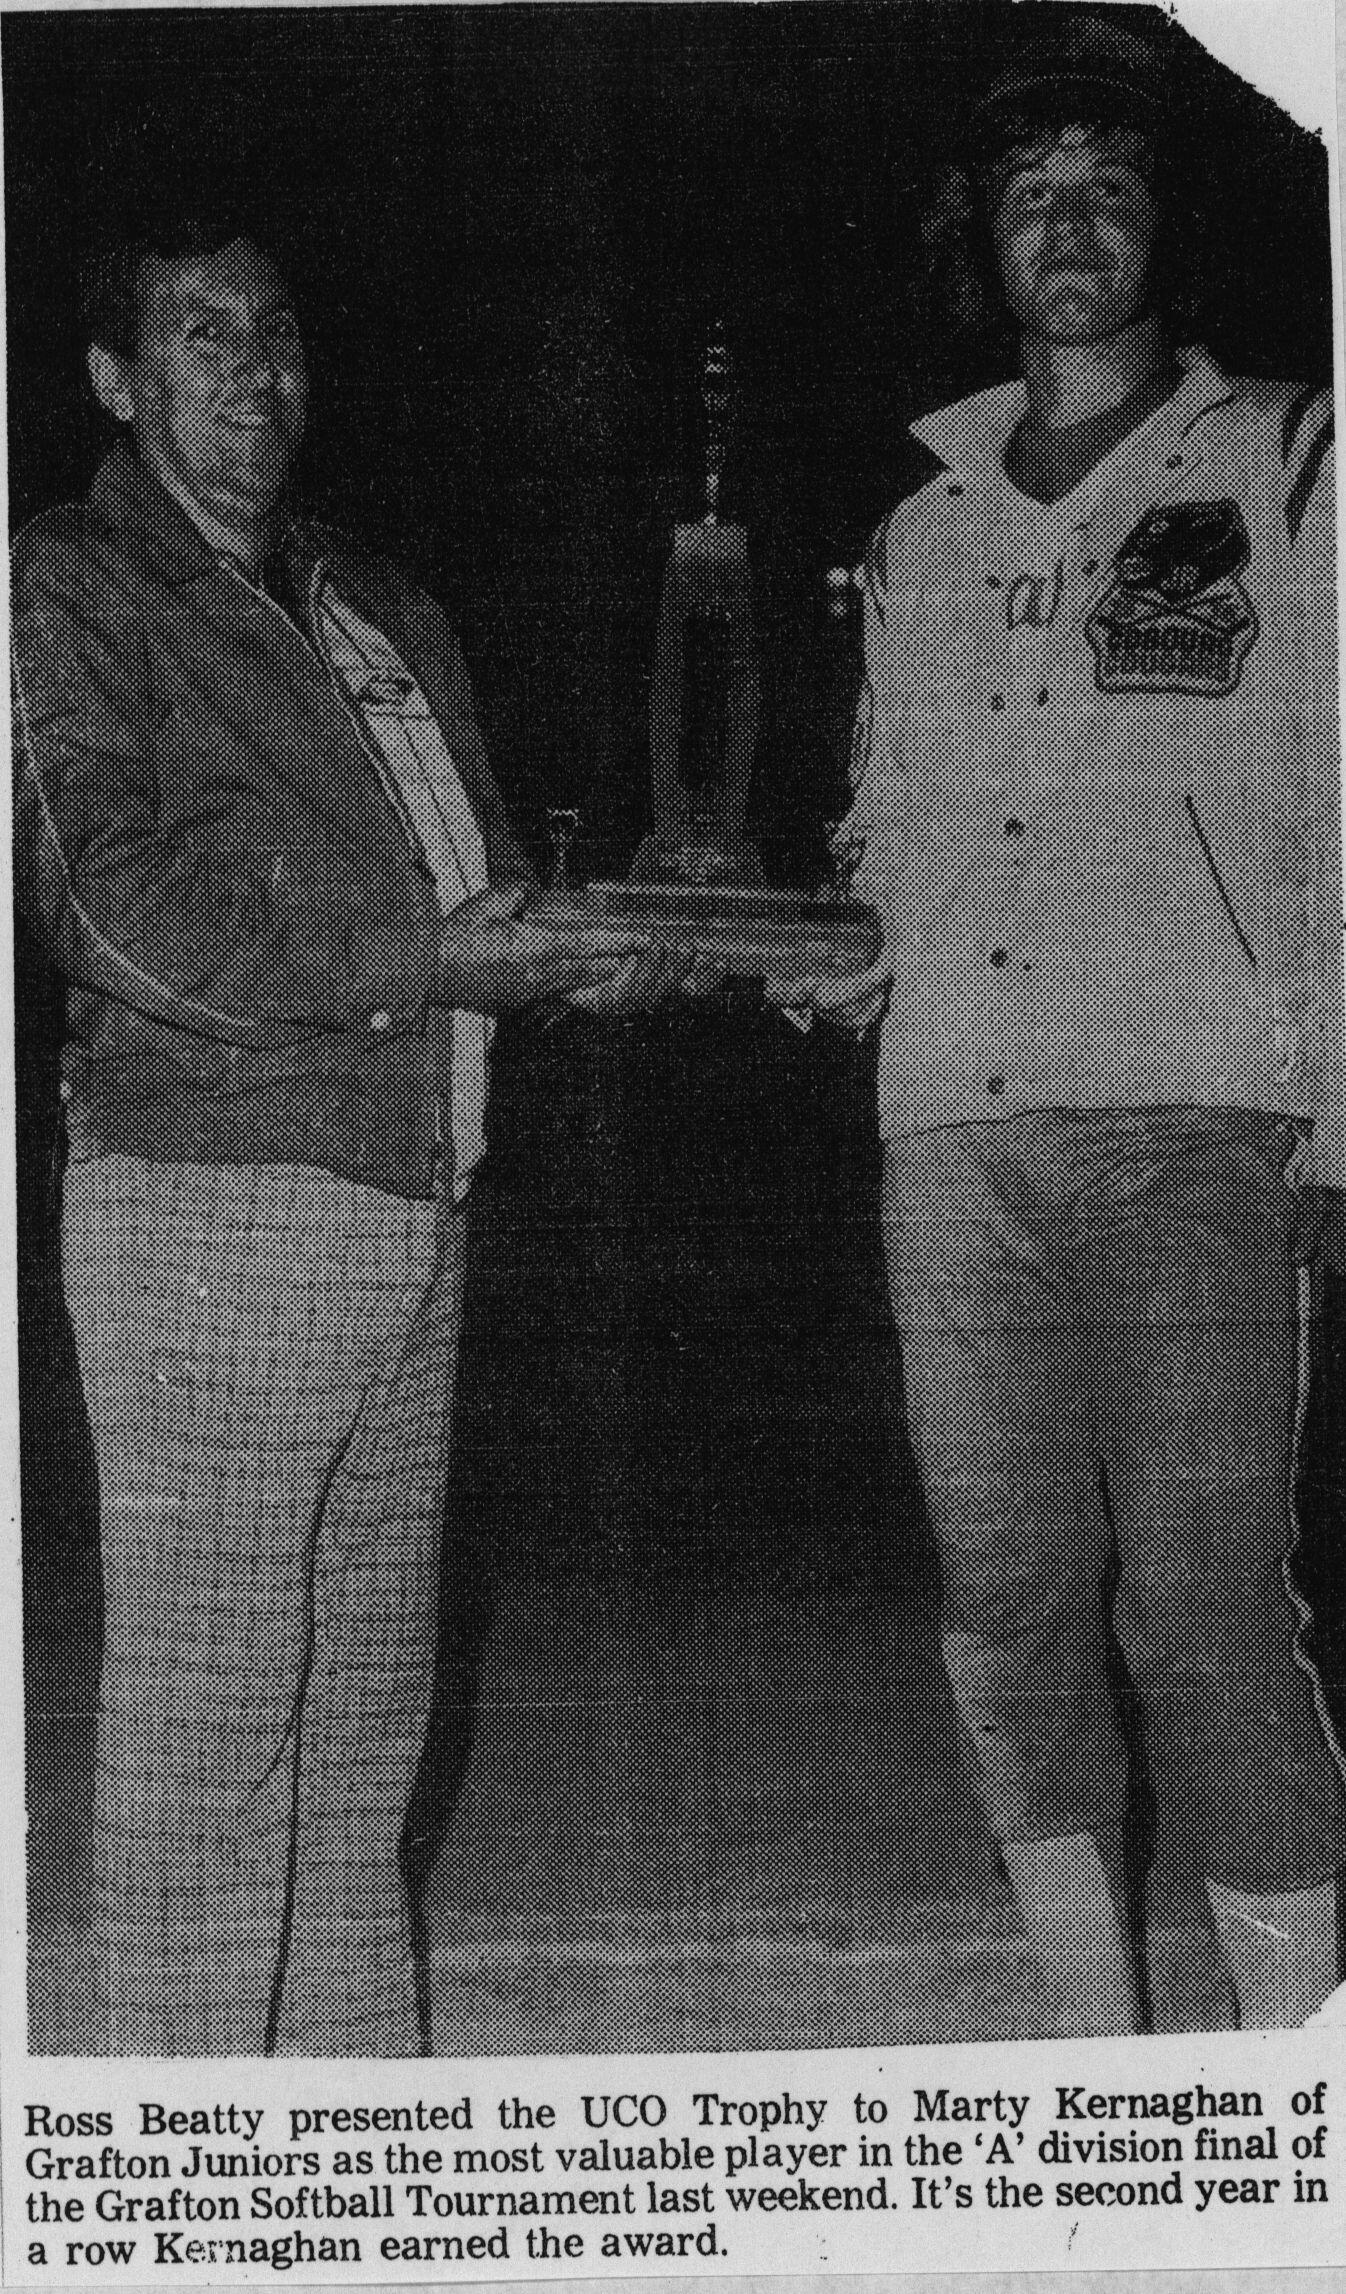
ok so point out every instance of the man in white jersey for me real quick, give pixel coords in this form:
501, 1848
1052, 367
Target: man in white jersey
1097, 804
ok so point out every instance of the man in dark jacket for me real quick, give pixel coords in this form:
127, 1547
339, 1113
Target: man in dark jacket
257, 833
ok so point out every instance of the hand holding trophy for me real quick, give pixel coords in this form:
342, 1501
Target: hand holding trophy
852, 996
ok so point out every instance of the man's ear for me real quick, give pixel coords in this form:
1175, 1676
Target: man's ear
111, 388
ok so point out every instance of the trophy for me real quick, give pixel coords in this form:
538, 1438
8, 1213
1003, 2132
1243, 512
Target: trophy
706, 685
696, 883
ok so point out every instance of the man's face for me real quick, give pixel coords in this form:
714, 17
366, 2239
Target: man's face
1074, 230
217, 391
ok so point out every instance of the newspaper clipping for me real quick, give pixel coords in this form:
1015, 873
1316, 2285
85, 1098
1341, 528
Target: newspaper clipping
677, 1260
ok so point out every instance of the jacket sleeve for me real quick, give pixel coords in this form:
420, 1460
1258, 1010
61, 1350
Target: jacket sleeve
202, 914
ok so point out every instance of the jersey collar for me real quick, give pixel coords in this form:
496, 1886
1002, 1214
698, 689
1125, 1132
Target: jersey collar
970, 436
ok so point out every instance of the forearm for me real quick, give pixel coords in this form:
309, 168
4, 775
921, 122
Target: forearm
208, 925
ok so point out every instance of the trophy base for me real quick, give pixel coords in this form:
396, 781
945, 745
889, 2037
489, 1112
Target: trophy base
750, 930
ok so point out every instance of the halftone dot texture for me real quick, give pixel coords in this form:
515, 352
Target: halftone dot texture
1099, 813
1100, 810
738, 1824
1099, 806
268, 1359
212, 844
1098, 1328
210, 840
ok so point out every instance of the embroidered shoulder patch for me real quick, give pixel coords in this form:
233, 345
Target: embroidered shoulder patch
1175, 617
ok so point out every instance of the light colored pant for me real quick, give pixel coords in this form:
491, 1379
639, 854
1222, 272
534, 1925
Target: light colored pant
1098, 1327
268, 1358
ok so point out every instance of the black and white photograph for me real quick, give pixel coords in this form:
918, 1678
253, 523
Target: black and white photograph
680, 1071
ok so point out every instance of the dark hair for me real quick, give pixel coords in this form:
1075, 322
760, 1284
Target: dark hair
112, 279
961, 289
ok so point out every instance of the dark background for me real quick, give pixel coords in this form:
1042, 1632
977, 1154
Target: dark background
510, 231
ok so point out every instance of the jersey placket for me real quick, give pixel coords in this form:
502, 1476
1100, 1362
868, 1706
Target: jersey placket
1023, 552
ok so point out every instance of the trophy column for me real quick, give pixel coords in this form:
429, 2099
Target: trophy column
707, 684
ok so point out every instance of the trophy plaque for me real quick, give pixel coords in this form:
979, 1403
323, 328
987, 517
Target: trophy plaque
750, 931
696, 884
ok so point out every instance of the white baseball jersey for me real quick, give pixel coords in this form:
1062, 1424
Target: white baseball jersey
1096, 770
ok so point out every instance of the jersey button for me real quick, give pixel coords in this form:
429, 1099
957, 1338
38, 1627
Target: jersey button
999, 957
995, 1084
1014, 828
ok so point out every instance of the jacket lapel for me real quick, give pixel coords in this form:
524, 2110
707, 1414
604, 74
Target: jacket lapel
322, 752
